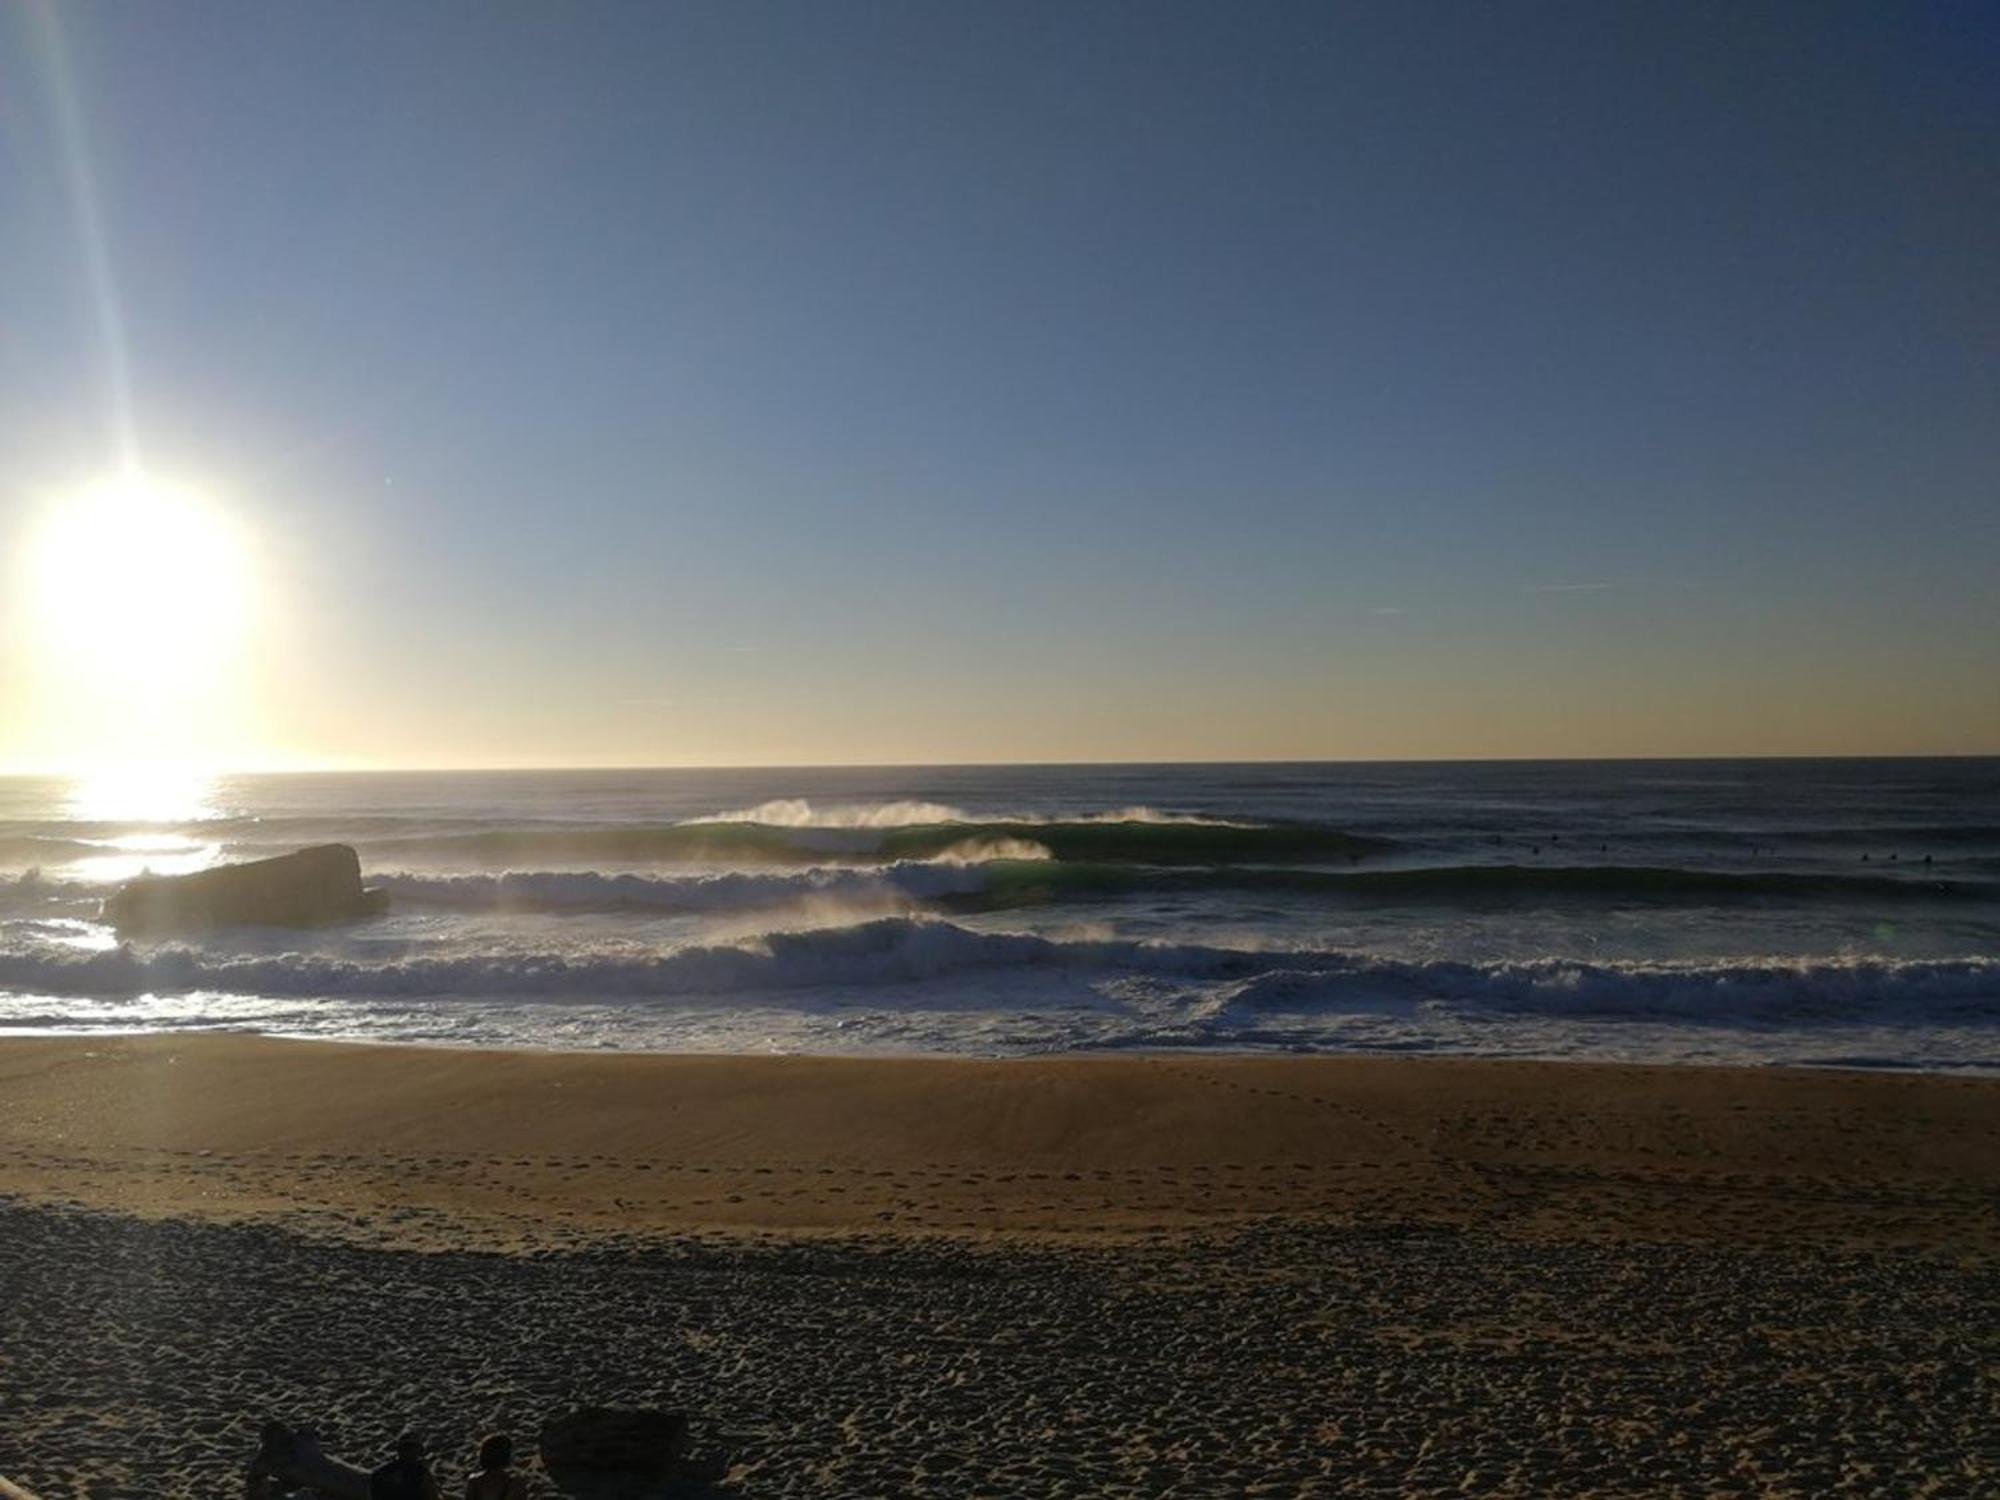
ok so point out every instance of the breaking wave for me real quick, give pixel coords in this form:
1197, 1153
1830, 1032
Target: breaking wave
797, 812
590, 890
992, 874
1107, 838
1013, 873
903, 950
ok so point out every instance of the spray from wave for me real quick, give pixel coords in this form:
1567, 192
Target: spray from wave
902, 950
979, 851
1158, 840
797, 812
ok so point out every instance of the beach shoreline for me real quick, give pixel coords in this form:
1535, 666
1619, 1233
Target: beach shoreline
1799, 914
426, 1146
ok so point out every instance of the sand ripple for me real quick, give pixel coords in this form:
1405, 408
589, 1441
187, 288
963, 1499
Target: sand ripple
140, 1357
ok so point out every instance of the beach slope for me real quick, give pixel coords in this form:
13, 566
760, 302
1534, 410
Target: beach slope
421, 1146
1072, 1277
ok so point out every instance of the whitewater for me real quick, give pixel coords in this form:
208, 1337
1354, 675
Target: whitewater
1803, 912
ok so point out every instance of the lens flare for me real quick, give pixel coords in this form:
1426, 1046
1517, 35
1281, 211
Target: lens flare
138, 600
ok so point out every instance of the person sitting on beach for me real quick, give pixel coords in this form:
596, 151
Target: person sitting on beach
407, 1476
495, 1480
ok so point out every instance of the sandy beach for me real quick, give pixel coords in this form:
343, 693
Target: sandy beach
925, 752
1078, 1275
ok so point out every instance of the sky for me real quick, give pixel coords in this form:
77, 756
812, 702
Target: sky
738, 383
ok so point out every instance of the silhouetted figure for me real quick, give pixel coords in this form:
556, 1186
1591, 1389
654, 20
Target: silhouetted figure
407, 1476
495, 1478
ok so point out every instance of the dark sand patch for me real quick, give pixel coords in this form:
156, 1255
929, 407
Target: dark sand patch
1072, 1277
140, 1357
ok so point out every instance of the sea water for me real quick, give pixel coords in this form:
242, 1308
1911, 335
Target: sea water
1796, 911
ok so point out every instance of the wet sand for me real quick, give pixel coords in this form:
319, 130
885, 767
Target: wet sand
1074, 1276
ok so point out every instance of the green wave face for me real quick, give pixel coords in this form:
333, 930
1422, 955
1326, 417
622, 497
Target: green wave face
694, 842
1014, 883
1143, 843
1083, 842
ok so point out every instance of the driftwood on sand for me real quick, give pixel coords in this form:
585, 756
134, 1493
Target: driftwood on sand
11, 1491
288, 1459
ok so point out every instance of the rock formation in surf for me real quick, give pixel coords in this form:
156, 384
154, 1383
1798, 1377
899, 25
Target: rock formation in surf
304, 889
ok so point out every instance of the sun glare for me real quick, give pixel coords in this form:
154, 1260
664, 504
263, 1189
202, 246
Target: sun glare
142, 794
138, 600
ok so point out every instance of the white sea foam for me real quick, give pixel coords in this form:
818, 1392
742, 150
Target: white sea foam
899, 984
900, 950
976, 851
1739, 993
797, 812
1543, 911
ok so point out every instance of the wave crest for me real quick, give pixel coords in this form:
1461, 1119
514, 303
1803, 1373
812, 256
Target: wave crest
1222, 986
591, 890
797, 812
1141, 841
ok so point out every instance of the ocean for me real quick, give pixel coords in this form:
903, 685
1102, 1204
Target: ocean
1835, 912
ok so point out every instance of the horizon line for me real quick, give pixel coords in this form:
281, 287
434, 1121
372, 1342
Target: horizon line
974, 765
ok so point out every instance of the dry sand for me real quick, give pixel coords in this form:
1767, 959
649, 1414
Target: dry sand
1073, 1276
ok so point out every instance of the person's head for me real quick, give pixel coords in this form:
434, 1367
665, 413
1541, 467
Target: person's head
495, 1452
410, 1447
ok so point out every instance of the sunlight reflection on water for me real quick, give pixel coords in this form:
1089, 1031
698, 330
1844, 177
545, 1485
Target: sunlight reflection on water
162, 796
142, 794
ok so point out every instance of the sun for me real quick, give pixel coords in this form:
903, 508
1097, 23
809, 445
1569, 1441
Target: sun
138, 599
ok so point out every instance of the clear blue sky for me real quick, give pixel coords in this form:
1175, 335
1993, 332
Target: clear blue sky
822, 382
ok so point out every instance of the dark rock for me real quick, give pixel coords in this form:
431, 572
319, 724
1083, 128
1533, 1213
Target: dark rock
606, 1439
304, 889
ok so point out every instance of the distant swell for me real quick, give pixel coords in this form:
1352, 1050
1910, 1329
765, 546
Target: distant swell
32, 849
1908, 836
1148, 842
1500, 884
1012, 876
986, 875
589, 890
900, 950
1163, 843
